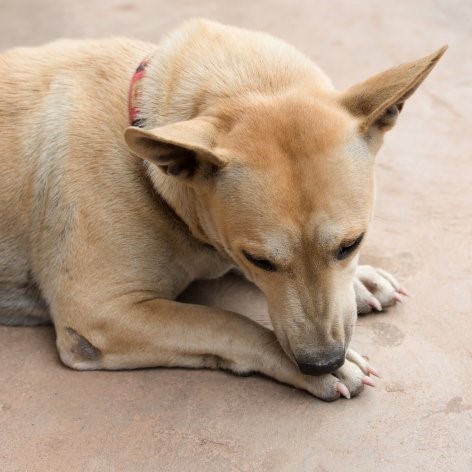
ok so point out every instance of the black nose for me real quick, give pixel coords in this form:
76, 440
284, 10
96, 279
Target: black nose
322, 363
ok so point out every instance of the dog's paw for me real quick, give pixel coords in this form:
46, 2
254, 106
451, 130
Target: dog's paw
354, 374
376, 289
348, 381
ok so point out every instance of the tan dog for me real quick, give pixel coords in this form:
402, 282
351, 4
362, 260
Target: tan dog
244, 155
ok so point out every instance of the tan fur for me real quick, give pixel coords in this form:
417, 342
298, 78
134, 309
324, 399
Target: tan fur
247, 147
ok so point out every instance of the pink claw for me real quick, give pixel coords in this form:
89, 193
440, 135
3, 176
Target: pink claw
342, 389
373, 371
367, 381
398, 297
403, 291
374, 303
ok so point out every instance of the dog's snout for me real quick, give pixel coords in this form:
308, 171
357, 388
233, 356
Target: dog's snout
321, 362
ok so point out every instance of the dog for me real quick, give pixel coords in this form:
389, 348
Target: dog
131, 169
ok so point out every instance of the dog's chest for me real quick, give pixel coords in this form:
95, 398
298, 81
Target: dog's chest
202, 262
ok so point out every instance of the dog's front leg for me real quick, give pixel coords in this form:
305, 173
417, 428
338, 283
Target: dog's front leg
375, 289
161, 332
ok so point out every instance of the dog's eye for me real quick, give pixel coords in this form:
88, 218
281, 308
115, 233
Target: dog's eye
263, 264
347, 249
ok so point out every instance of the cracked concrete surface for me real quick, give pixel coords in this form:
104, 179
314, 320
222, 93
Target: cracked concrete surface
420, 415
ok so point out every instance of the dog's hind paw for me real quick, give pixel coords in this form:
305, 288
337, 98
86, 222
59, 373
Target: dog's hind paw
376, 289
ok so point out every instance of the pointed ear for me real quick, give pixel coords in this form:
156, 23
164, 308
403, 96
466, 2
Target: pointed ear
184, 149
379, 100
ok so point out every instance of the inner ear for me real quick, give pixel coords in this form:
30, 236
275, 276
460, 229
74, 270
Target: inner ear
175, 160
184, 149
388, 118
378, 101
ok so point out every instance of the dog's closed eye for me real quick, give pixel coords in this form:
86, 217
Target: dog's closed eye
263, 264
347, 249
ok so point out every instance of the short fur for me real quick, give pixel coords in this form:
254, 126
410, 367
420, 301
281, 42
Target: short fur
247, 150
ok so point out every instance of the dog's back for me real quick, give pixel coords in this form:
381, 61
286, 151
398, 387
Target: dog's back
48, 94
23, 85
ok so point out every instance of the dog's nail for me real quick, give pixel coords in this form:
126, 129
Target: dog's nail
373, 371
398, 297
374, 303
403, 291
343, 390
367, 381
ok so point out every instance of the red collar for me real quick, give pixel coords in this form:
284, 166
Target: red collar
134, 94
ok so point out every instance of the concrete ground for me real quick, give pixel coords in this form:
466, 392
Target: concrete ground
420, 415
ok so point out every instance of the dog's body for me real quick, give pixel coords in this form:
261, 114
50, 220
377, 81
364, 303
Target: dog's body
251, 159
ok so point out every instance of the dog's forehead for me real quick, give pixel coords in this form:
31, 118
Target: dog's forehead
290, 127
299, 155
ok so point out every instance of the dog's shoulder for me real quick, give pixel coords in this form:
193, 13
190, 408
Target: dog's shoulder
69, 55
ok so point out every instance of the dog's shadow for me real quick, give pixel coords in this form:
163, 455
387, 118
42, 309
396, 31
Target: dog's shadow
231, 292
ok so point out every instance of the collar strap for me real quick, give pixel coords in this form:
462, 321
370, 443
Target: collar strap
134, 95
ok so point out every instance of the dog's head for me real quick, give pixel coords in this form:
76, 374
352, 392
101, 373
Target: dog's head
283, 185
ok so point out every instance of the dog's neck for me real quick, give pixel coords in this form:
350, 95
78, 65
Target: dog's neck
182, 199
148, 105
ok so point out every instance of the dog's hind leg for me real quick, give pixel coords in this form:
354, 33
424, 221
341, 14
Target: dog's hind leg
21, 304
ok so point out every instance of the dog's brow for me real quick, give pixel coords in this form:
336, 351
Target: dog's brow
331, 234
327, 234
275, 247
